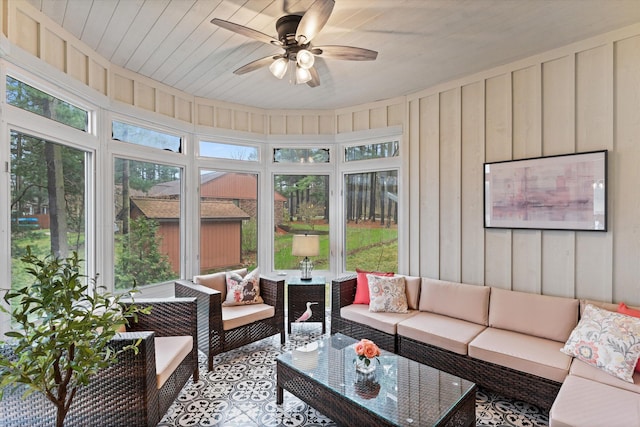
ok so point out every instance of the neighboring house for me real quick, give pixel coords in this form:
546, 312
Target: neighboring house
240, 188
220, 231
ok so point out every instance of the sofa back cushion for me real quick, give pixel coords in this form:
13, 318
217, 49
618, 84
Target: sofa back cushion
542, 316
453, 299
412, 289
605, 305
217, 281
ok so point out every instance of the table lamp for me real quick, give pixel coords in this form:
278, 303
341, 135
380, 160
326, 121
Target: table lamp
305, 245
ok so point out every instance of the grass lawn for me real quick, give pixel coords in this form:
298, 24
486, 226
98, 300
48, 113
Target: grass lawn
369, 246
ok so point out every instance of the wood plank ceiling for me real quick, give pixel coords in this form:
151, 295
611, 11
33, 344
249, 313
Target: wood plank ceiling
420, 42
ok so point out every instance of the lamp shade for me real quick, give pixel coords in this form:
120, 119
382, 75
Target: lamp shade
305, 59
302, 75
279, 67
305, 245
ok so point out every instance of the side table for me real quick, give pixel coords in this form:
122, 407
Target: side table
299, 292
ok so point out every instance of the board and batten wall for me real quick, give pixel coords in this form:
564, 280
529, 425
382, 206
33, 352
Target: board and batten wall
578, 98
584, 97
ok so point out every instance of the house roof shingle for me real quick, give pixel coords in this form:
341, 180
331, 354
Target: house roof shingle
170, 209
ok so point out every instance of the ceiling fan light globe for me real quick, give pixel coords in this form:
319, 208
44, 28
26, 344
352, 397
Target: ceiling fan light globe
305, 59
302, 75
279, 67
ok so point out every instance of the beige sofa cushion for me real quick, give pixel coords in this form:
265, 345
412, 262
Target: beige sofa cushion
170, 352
533, 355
217, 281
584, 370
585, 403
240, 315
542, 316
385, 322
459, 300
440, 331
412, 289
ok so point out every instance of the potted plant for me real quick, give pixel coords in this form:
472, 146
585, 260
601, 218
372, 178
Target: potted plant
64, 326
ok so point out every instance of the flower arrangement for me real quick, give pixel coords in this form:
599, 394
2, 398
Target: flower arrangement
366, 351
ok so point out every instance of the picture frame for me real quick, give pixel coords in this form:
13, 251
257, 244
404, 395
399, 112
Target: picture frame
562, 192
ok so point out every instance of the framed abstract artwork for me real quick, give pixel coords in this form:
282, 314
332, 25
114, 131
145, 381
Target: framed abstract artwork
564, 192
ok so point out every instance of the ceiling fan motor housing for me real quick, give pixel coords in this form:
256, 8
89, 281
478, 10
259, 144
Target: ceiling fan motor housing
286, 27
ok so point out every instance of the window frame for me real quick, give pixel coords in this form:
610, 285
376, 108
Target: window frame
141, 153
373, 165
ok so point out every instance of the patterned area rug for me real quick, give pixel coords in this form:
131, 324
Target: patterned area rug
241, 392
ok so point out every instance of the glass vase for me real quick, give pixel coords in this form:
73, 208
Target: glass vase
363, 368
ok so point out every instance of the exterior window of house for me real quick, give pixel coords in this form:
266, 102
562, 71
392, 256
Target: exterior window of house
142, 136
371, 220
221, 150
228, 220
301, 155
146, 235
301, 205
26, 97
372, 151
47, 201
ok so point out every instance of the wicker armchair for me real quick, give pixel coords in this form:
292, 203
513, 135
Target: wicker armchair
125, 394
213, 337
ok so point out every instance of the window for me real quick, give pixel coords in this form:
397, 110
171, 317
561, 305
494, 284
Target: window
371, 220
301, 155
228, 151
147, 137
301, 205
147, 229
372, 151
28, 98
47, 201
228, 220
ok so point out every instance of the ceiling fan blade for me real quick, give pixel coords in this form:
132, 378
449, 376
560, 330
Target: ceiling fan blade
345, 52
313, 20
258, 63
315, 78
245, 31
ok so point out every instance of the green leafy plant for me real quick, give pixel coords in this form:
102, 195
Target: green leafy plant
64, 330
141, 259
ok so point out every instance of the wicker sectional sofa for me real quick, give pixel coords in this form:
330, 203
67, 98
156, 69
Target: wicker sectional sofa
506, 341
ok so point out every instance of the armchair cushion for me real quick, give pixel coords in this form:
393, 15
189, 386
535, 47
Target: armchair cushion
170, 352
240, 315
243, 290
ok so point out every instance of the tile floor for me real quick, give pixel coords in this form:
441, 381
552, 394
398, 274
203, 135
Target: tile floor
241, 392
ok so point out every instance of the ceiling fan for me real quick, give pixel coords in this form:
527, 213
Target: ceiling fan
295, 33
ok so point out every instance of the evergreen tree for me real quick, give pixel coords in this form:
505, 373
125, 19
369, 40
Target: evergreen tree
141, 261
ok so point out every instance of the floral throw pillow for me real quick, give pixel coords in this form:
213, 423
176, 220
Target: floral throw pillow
387, 294
607, 340
243, 290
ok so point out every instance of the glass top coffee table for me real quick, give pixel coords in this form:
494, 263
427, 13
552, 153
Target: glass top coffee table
400, 392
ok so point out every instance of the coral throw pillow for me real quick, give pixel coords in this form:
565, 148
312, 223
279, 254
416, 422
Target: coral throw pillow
243, 290
362, 285
607, 340
388, 294
622, 308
